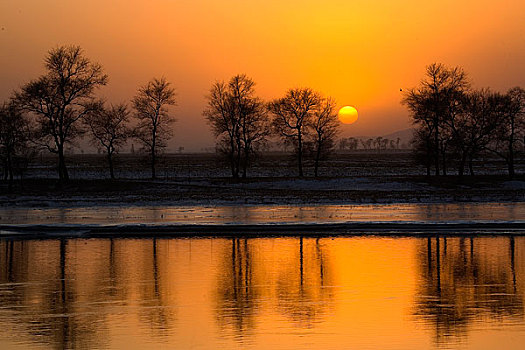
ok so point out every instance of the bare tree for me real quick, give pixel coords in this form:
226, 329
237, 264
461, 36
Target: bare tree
291, 116
255, 127
509, 131
378, 142
108, 128
353, 143
343, 144
472, 128
154, 122
392, 144
366, 144
436, 100
325, 127
221, 116
59, 98
421, 147
14, 137
239, 121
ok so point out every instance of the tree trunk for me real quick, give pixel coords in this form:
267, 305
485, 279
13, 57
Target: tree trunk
436, 149
153, 175
512, 173
110, 163
470, 167
10, 167
317, 157
444, 160
428, 162
9, 170
461, 169
300, 154
510, 161
5, 174
238, 159
232, 164
62, 169
245, 164
247, 154
232, 157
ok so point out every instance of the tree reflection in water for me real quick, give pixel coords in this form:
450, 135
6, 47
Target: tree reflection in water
155, 309
53, 309
61, 291
301, 292
293, 277
237, 294
464, 280
93, 293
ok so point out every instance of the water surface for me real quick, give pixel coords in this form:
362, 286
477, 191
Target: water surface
261, 293
265, 214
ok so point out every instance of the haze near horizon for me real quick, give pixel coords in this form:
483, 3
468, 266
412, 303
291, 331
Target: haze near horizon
358, 52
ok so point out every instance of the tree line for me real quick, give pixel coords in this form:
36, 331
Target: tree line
379, 143
303, 119
456, 124
59, 107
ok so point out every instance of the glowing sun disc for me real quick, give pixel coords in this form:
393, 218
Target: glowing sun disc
347, 115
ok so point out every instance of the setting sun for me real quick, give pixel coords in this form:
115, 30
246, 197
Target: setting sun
347, 115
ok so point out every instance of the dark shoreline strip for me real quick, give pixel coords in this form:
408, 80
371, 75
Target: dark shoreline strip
263, 230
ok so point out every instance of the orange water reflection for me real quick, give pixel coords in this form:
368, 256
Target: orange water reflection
388, 293
467, 280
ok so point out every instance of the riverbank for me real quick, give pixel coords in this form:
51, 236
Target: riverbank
388, 229
265, 190
262, 220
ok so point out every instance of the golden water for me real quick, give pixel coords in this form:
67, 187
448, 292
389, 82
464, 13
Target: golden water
263, 293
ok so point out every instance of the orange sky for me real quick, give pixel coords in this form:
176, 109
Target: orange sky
359, 52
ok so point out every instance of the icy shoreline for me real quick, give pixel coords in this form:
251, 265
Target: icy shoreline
488, 218
265, 230
332, 191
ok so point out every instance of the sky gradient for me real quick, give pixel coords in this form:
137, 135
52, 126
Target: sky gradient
359, 52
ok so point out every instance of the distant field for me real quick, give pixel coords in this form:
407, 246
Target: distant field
199, 165
203, 179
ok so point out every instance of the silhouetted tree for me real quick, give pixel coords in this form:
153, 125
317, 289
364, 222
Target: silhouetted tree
108, 128
239, 121
369, 143
435, 100
223, 120
510, 128
343, 144
151, 109
349, 143
352, 143
59, 98
384, 143
366, 144
473, 126
14, 137
255, 130
422, 147
325, 127
378, 143
291, 116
